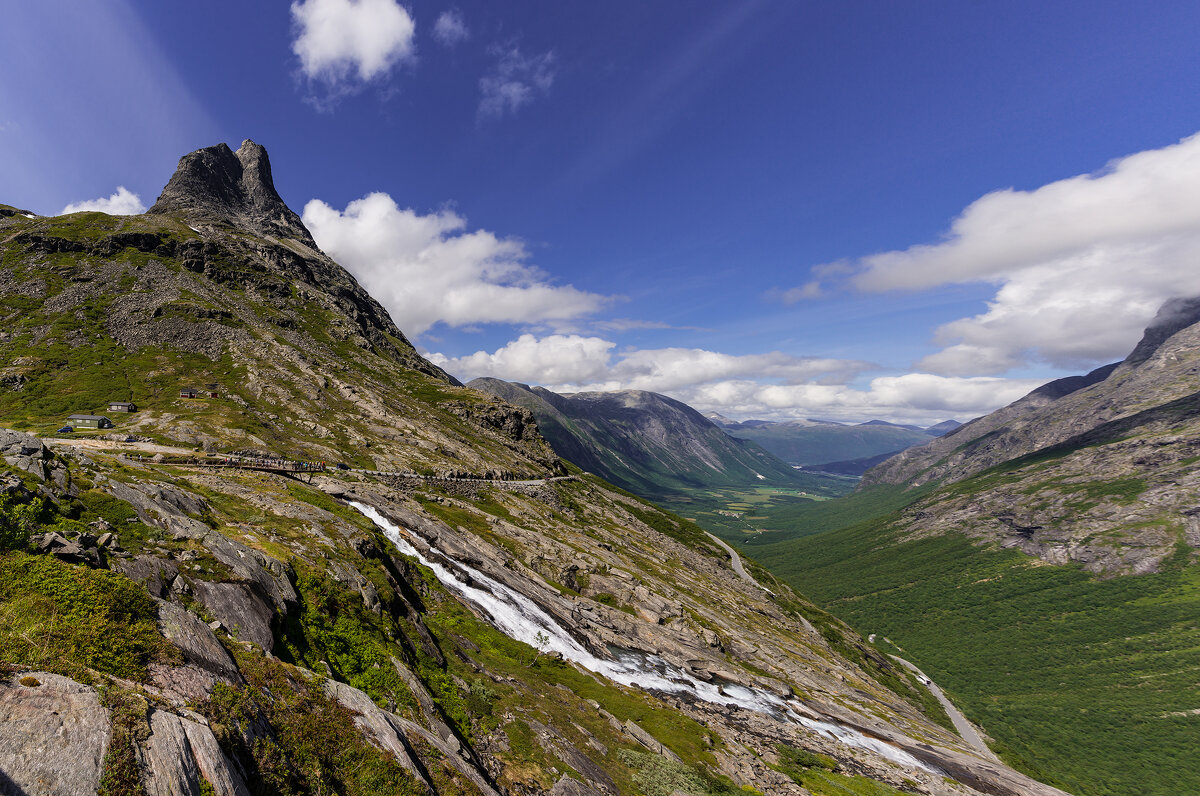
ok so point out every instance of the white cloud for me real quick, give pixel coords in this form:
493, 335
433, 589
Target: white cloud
555, 359
427, 269
1081, 264
121, 203
767, 386
809, 290
450, 29
514, 81
573, 362
920, 398
340, 41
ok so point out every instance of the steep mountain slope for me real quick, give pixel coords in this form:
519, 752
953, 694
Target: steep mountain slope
99, 308
815, 443
645, 442
1097, 469
1043, 567
453, 615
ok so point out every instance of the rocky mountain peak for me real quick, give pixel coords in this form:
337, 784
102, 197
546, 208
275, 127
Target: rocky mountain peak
1173, 316
216, 184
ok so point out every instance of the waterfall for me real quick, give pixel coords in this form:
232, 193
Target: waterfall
520, 618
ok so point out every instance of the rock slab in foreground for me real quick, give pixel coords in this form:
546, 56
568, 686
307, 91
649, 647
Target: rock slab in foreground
53, 736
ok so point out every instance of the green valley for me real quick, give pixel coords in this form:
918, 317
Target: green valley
1084, 682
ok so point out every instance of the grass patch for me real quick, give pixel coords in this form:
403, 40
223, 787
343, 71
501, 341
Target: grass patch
314, 746
66, 619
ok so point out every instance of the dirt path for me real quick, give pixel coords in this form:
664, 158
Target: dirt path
92, 443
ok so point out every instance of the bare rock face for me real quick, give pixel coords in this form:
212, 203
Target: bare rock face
197, 641
218, 185
53, 735
181, 753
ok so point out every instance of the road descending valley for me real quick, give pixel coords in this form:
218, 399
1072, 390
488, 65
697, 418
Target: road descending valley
965, 728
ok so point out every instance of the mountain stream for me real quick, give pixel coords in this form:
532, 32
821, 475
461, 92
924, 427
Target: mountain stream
522, 619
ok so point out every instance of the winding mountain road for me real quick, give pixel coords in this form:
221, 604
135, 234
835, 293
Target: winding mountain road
736, 562
965, 728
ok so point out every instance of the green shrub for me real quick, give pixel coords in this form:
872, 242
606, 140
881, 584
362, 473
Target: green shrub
657, 775
313, 748
66, 618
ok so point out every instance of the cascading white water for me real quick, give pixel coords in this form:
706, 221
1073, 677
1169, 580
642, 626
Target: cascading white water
522, 619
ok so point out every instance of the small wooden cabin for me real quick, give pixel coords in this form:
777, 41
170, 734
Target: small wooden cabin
122, 406
188, 392
89, 421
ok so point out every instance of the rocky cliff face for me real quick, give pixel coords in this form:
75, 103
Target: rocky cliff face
216, 185
1095, 469
171, 624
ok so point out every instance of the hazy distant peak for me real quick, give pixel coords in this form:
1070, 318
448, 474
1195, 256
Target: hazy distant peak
1174, 315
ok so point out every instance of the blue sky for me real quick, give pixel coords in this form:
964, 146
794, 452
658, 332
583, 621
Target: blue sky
897, 210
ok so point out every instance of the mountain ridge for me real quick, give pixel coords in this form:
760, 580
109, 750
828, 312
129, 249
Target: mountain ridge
192, 620
642, 441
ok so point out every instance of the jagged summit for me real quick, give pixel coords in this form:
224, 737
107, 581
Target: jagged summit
216, 184
1173, 316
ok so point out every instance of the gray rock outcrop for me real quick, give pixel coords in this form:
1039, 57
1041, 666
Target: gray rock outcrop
53, 736
218, 185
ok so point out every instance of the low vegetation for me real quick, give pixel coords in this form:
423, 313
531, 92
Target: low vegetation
1085, 683
69, 619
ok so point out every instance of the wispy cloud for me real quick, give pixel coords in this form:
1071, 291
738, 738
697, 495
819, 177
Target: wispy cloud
682, 74
122, 202
514, 81
450, 29
345, 44
429, 269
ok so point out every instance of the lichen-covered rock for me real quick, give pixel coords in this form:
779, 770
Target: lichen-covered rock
53, 736
197, 642
27, 452
241, 608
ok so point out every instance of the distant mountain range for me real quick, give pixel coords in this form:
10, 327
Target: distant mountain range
645, 442
1043, 563
816, 443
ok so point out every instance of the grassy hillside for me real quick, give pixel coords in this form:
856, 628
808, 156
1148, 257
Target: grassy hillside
1086, 683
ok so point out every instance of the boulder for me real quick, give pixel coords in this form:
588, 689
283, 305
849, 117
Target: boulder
197, 641
241, 608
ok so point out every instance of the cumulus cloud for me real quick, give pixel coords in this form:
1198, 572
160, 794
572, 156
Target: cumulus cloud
514, 81
769, 386
920, 398
427, 269
123, 202
450, 29
1081, 264
568, 361
555, 359
344, 42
